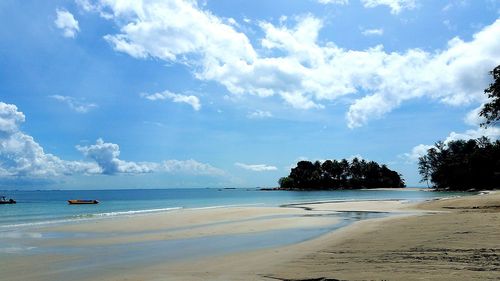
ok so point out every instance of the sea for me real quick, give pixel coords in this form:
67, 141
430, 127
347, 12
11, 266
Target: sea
41, 207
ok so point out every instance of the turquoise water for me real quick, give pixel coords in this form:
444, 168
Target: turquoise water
45, 207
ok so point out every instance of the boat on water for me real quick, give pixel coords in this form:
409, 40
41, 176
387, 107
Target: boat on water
3, 200
82, 201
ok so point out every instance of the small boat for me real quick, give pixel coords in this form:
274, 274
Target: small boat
3, 200
80, 201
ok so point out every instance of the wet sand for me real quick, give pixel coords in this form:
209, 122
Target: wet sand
452, 239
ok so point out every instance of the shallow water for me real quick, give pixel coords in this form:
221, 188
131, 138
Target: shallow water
86, 261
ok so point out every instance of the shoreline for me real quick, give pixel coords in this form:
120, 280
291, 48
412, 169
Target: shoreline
147, 212
139, 212
223, 226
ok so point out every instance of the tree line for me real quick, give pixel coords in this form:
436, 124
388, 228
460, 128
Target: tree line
333, 174
462, 165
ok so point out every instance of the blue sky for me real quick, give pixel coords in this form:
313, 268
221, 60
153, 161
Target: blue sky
173, 93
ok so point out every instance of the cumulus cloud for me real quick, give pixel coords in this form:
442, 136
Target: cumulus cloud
106, 156
455, 76
473, 119
455, 4
396, 6
193, 101
75, 104
373, 32
293, 65
259, 114
10, 119
493, 133
416, 152
190, 167
256, 167
340, 2
490, 132
67, 23
21, 156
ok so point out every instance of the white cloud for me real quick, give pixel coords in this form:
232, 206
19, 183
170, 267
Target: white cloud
256, 167
359, 156
190, 167
22, 156
193, 101
340, 2
455, 4
293, 65
157, 124
447, 7
67, 22
473, 119
416, 152
396, 6
10, 119
259, 114
232, 21
493, 133
490, 132
75, 104
106, 156
455, 76
373, 32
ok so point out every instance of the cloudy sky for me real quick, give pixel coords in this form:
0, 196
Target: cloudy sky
211, 93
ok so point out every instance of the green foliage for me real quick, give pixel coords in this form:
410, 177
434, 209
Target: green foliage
333, 174
491, 110
286, 182
462, 165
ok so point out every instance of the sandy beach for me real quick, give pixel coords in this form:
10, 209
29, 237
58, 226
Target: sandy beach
460, 241
449, 239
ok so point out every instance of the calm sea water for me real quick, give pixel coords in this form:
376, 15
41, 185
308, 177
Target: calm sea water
45, 207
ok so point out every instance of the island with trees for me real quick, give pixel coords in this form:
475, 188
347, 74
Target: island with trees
333, 175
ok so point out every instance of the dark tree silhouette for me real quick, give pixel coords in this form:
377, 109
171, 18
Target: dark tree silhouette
333, 174
491, 110
462, 165
286, 182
